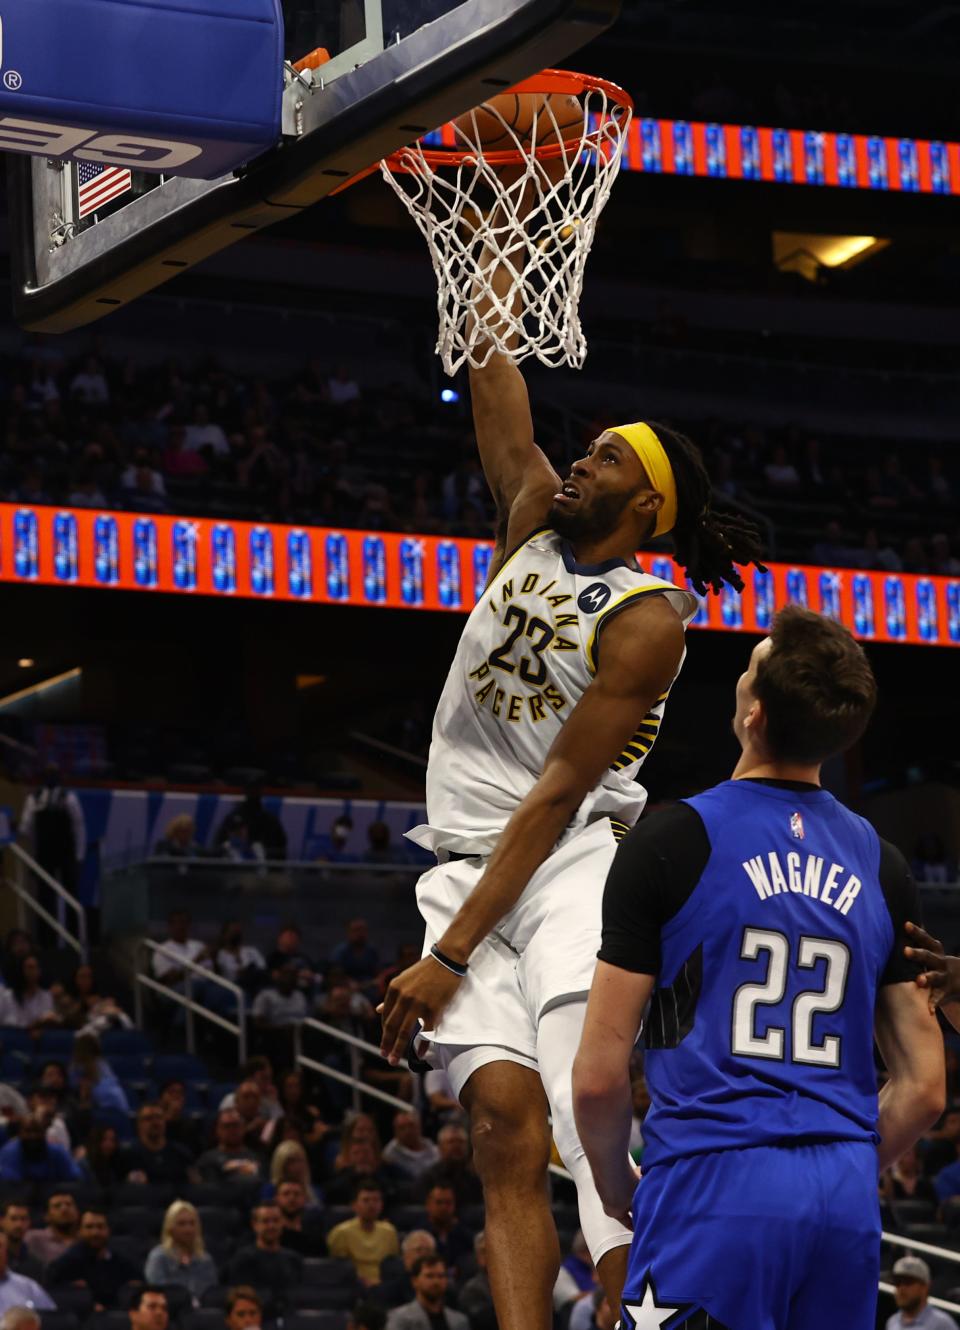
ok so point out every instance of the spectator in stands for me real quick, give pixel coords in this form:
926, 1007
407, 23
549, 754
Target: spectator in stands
14, 1222
248, 1101
408, 953
780, 474
355, 956
290, 1164
454, 1240
18, 1290
93, 1263
203, 433
911, 1291
942, 1146
443, 1102
905, 1181
342, 387
178, 947
81, 1007
289, 949
263, 828
476, 1298
179, 841
454, 1167
409, 1151
182, 1129
16, 945
258, 1069
180, 1257
44, 1103
20, 1318
367, 1316
53, 825
367, 1239
149, 1310
89, 384
297, 1111
875, 554
281, 1005
576, 1277
302, 1231
177, 461
29, 1157
91, 1075
230, 1161
102, 1158
380, 847
244, 1310
832, 549
930, 860
332, 847
398, 1288
428, 1310
593, 1313
151, 1158
241, 964
61, 1231
27, 1004
267, 1263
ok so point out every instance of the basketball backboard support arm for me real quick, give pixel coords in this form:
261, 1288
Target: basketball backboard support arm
437, 72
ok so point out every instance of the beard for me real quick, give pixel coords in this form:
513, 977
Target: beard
589, 521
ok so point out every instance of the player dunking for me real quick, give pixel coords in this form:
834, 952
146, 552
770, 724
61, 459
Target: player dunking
764, 924
553, 701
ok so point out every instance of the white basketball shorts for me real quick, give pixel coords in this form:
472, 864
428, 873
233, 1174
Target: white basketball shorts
542, 955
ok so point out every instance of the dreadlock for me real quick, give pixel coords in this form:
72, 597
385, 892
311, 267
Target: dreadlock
709, 544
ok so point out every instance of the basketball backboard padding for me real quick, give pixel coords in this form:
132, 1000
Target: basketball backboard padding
141, 85
437, 72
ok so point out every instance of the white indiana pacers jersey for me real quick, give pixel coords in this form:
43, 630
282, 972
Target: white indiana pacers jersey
527, 655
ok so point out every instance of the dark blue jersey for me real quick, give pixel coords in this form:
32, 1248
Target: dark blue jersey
760, 1029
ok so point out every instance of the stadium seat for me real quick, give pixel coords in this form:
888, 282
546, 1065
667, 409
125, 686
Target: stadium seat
336, 1214
55, 1043
220, 1220
135, 1249
204, 1194
204, 1318
178, 1067
914, 1211
136, 1221
323, 1297
316, 1320
15, 1040
112, 1320
328, 1270
68, 1298
85, 1193
59, 1321
405, 1217
472, 1216
125, 1043
154, 1195
130, 1066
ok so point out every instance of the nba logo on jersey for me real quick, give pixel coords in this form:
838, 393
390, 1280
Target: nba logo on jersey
796, 826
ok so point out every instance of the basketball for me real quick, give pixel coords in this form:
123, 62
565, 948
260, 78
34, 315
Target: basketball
528, 117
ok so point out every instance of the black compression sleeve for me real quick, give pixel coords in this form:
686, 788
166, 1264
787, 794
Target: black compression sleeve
654, 873
903, 902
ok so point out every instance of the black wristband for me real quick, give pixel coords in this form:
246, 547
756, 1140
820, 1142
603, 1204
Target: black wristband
453, 966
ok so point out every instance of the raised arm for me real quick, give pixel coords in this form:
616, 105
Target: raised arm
521, 479
912, 1049
641, 653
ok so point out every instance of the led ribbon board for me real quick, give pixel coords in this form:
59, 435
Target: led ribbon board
324, 566
784, 156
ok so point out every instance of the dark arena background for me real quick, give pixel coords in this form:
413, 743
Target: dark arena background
242, 519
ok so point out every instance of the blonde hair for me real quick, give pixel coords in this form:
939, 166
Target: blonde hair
282, 1155
174, 1212
182, 822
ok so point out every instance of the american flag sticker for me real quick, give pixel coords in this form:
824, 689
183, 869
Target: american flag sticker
99, 185
796, 826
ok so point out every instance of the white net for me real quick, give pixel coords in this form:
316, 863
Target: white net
509, 219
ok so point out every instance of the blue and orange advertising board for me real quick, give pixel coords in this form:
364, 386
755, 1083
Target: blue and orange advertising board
320, 565
784, 156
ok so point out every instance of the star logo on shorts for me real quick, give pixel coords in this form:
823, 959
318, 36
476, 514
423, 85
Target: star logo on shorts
652, 1314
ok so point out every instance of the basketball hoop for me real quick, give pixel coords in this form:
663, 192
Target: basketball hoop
519, 201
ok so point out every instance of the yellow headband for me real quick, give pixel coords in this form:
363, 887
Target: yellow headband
656, 463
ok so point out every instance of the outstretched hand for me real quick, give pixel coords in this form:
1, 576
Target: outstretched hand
420, 993
941, 973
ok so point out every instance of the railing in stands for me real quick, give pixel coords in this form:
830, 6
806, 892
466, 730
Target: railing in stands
192, 973
27, 900
360, 1087
355, 1048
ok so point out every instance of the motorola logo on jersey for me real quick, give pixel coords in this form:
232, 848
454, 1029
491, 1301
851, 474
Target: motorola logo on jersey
594, 598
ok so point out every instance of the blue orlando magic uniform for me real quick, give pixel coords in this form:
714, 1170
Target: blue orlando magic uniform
771, 915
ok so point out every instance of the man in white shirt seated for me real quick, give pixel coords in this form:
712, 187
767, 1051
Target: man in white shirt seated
17, 1290
179, 947
409, 1151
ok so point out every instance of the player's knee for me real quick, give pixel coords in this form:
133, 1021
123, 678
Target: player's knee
509, 1148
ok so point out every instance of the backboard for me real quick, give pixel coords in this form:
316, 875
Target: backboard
361, 78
